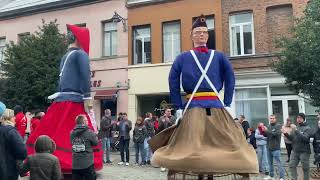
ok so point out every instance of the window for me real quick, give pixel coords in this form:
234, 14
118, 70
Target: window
2, 46
211, 44
110, 39
253, 104
142, 45
311, 114
171, 40
241, 35
81, 25
22, 36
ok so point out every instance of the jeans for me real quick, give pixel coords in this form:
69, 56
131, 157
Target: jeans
148, 151
263, 158
294, 161
106, 149
84, 174
140, 149
124, 148
276, 155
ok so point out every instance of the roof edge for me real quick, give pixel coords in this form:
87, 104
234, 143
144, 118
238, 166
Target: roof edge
43, 8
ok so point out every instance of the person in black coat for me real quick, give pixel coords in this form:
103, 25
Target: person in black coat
316, 145
245, 124
12, 148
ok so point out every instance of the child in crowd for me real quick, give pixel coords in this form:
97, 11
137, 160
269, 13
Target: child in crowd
42, 165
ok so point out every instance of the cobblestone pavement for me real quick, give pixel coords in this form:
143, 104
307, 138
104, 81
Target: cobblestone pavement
134, 172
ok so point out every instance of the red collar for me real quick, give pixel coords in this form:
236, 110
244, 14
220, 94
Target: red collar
202, 49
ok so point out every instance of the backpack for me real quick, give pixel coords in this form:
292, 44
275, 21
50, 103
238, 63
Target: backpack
3, 151
78, 144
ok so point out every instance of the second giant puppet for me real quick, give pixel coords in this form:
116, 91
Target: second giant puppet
207, 140
69, 101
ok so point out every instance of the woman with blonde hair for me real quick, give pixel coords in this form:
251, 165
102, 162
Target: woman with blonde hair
8, 118
12, 147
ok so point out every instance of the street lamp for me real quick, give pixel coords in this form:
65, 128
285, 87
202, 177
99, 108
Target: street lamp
117, 18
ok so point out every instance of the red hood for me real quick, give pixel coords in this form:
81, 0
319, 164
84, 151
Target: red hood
83, 36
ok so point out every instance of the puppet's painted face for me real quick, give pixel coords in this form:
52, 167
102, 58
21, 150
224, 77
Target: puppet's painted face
200, 35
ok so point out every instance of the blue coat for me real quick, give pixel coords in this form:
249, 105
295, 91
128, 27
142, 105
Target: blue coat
75, 76
15, 150
220, 73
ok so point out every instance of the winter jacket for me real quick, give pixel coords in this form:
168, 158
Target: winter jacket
105, 127
252, 140
316, 146
42, 165
127, 126
274, 136
260, 139
165, 124
21, 123
149, 123
245, 125
82, 140
12, 150
301, 138
139, 134
316, 142
35, 122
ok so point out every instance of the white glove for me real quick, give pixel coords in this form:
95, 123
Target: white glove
178, 115
87, 103
229, 109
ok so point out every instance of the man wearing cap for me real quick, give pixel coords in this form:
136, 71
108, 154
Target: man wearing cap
206, 140
300, 137
72, 99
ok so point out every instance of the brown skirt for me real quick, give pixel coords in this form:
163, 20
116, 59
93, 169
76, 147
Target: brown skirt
207, 144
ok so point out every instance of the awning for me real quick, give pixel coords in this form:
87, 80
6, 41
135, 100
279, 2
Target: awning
106, 94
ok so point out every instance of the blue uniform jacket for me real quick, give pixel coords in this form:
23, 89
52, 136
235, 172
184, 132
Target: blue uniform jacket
75, 77
220, 73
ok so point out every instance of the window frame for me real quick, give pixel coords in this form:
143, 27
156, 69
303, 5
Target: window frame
4, 47
134, 60
103, 40
162, 30
241, 25
22, 35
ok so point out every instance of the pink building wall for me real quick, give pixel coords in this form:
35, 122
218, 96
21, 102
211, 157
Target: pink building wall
109, 71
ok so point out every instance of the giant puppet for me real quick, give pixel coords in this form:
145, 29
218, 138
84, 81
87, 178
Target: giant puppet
70, 100
206, 139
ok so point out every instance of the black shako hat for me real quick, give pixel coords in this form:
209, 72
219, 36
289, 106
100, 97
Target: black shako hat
199, 22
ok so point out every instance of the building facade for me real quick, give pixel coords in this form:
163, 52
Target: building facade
109, 41
250, 32
158, 32
246, 31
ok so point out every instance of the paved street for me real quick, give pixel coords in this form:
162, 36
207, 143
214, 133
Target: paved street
133, 172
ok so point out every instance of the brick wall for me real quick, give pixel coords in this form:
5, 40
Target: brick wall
271, 19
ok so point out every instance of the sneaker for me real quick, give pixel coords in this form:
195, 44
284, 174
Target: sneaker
268, 178
127, 164
109, 162
163, 169
142, 163
148, 162
120, 163
281, 179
